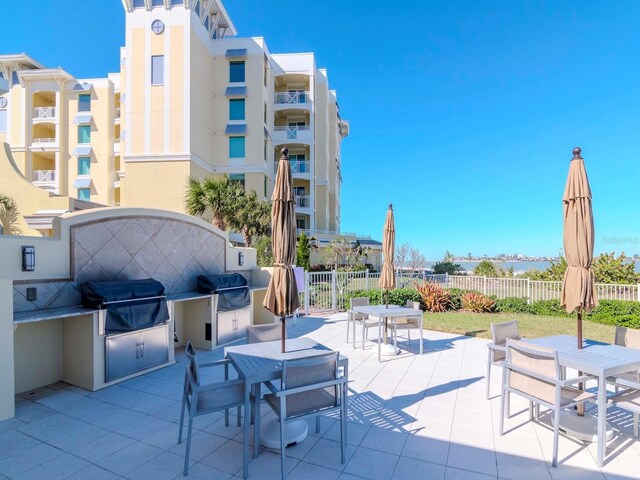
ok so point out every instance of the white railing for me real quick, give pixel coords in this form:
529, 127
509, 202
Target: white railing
303, 201
44, 176
306, 231
291, 131
331, 290
297, 166
44, 112
117, 113
44, 140
292, 97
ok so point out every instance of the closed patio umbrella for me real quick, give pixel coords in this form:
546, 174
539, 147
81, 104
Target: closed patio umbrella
387, 276
578, 288
281, 298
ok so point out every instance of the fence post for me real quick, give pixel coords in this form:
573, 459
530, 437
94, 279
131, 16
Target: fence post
446, 279
484, 285
366, 279
528, 290
333, 289
638, 292
306, 293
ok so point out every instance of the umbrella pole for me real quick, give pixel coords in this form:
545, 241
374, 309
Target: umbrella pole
580, 385
284, 332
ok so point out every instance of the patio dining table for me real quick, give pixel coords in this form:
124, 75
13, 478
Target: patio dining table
598, 359
383, 313
257, 363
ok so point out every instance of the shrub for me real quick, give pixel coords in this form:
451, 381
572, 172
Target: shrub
477, 302
434, 297
513, 305
550, 308
617, 307
456, 297
377, 297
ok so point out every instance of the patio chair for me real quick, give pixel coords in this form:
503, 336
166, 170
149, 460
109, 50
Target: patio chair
309, 386
408, 324
496, 350
629, 400
353, 317
630, 338
209, 398
535, 373
264, 333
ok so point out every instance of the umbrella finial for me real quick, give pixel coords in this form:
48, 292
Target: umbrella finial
576, 152
285, 152
391, 206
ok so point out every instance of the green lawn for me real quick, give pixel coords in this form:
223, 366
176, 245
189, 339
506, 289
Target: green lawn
531, 326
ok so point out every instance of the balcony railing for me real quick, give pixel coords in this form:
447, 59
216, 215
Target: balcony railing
292, 130
117, 113
303, 201
44, 112
44, 140
44, 176
297, 166
283, 98
306, 231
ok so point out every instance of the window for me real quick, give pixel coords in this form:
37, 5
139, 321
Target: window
84, 165
206, 23
197, 8
236, 72
157, 3
238, 178
236, 147
157, 70
138, 3
3, 121
236, 109
264, 186
300, 223
84, 134
266, 69
177, 2
84, 102
84, 194
265, 113
14, 78
265, 147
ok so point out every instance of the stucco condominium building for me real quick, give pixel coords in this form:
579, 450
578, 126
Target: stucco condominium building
191, 99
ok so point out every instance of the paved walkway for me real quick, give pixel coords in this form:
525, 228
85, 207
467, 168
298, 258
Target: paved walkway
411, 417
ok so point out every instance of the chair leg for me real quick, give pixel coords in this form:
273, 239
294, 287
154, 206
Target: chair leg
556, 430
488, 372
537, 414
226, 417
530, 410
343, 432
503, 403
282, 449
636, 419
348, 320
317, 423
184, 401
188, 449
239, 423
364, 329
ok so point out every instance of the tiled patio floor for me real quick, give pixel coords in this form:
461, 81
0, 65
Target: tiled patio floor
411, 417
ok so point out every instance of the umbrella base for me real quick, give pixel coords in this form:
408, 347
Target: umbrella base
388, 350
583, 428
294, 432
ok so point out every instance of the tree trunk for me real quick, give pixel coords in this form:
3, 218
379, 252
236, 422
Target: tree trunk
246, 236
219, 222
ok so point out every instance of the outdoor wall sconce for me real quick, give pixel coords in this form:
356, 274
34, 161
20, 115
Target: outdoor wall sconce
240, 258
28, 258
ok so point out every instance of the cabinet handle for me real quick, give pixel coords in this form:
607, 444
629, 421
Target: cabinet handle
137, 350
142, 348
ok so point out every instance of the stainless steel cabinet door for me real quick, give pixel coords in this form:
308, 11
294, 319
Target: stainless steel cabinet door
155, 348
242, 322
226, 326
128, 353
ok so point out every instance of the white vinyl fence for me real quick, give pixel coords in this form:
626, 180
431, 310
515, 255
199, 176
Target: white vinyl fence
329, 291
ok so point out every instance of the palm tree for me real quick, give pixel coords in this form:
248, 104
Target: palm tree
219, 196
9, 216
252, 218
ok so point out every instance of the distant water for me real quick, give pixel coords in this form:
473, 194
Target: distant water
518, 267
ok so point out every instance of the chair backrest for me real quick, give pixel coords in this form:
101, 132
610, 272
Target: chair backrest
306, 372
500, 332
414, 305
627, 337
264, 333
193, 364
359, 302
533, 370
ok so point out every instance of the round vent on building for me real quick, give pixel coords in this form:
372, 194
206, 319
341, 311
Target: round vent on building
157, 27
3, 103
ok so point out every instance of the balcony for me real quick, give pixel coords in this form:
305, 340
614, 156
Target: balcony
44, 141
4, 86
292, 134
295, 97
44, 113
298, 167
116, 147
45, 179
303, 201
117, 114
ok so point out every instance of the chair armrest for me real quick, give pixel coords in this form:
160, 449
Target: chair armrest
217, 385
214, 364
272, 387
493, 346
572, 381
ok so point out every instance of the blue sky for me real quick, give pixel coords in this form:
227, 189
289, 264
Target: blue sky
463, 114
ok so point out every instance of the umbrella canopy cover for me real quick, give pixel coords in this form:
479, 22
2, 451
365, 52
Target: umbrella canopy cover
578, 288
387, 277
282, 298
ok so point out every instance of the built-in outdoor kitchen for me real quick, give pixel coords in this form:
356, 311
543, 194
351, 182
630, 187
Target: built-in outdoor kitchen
118, 290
